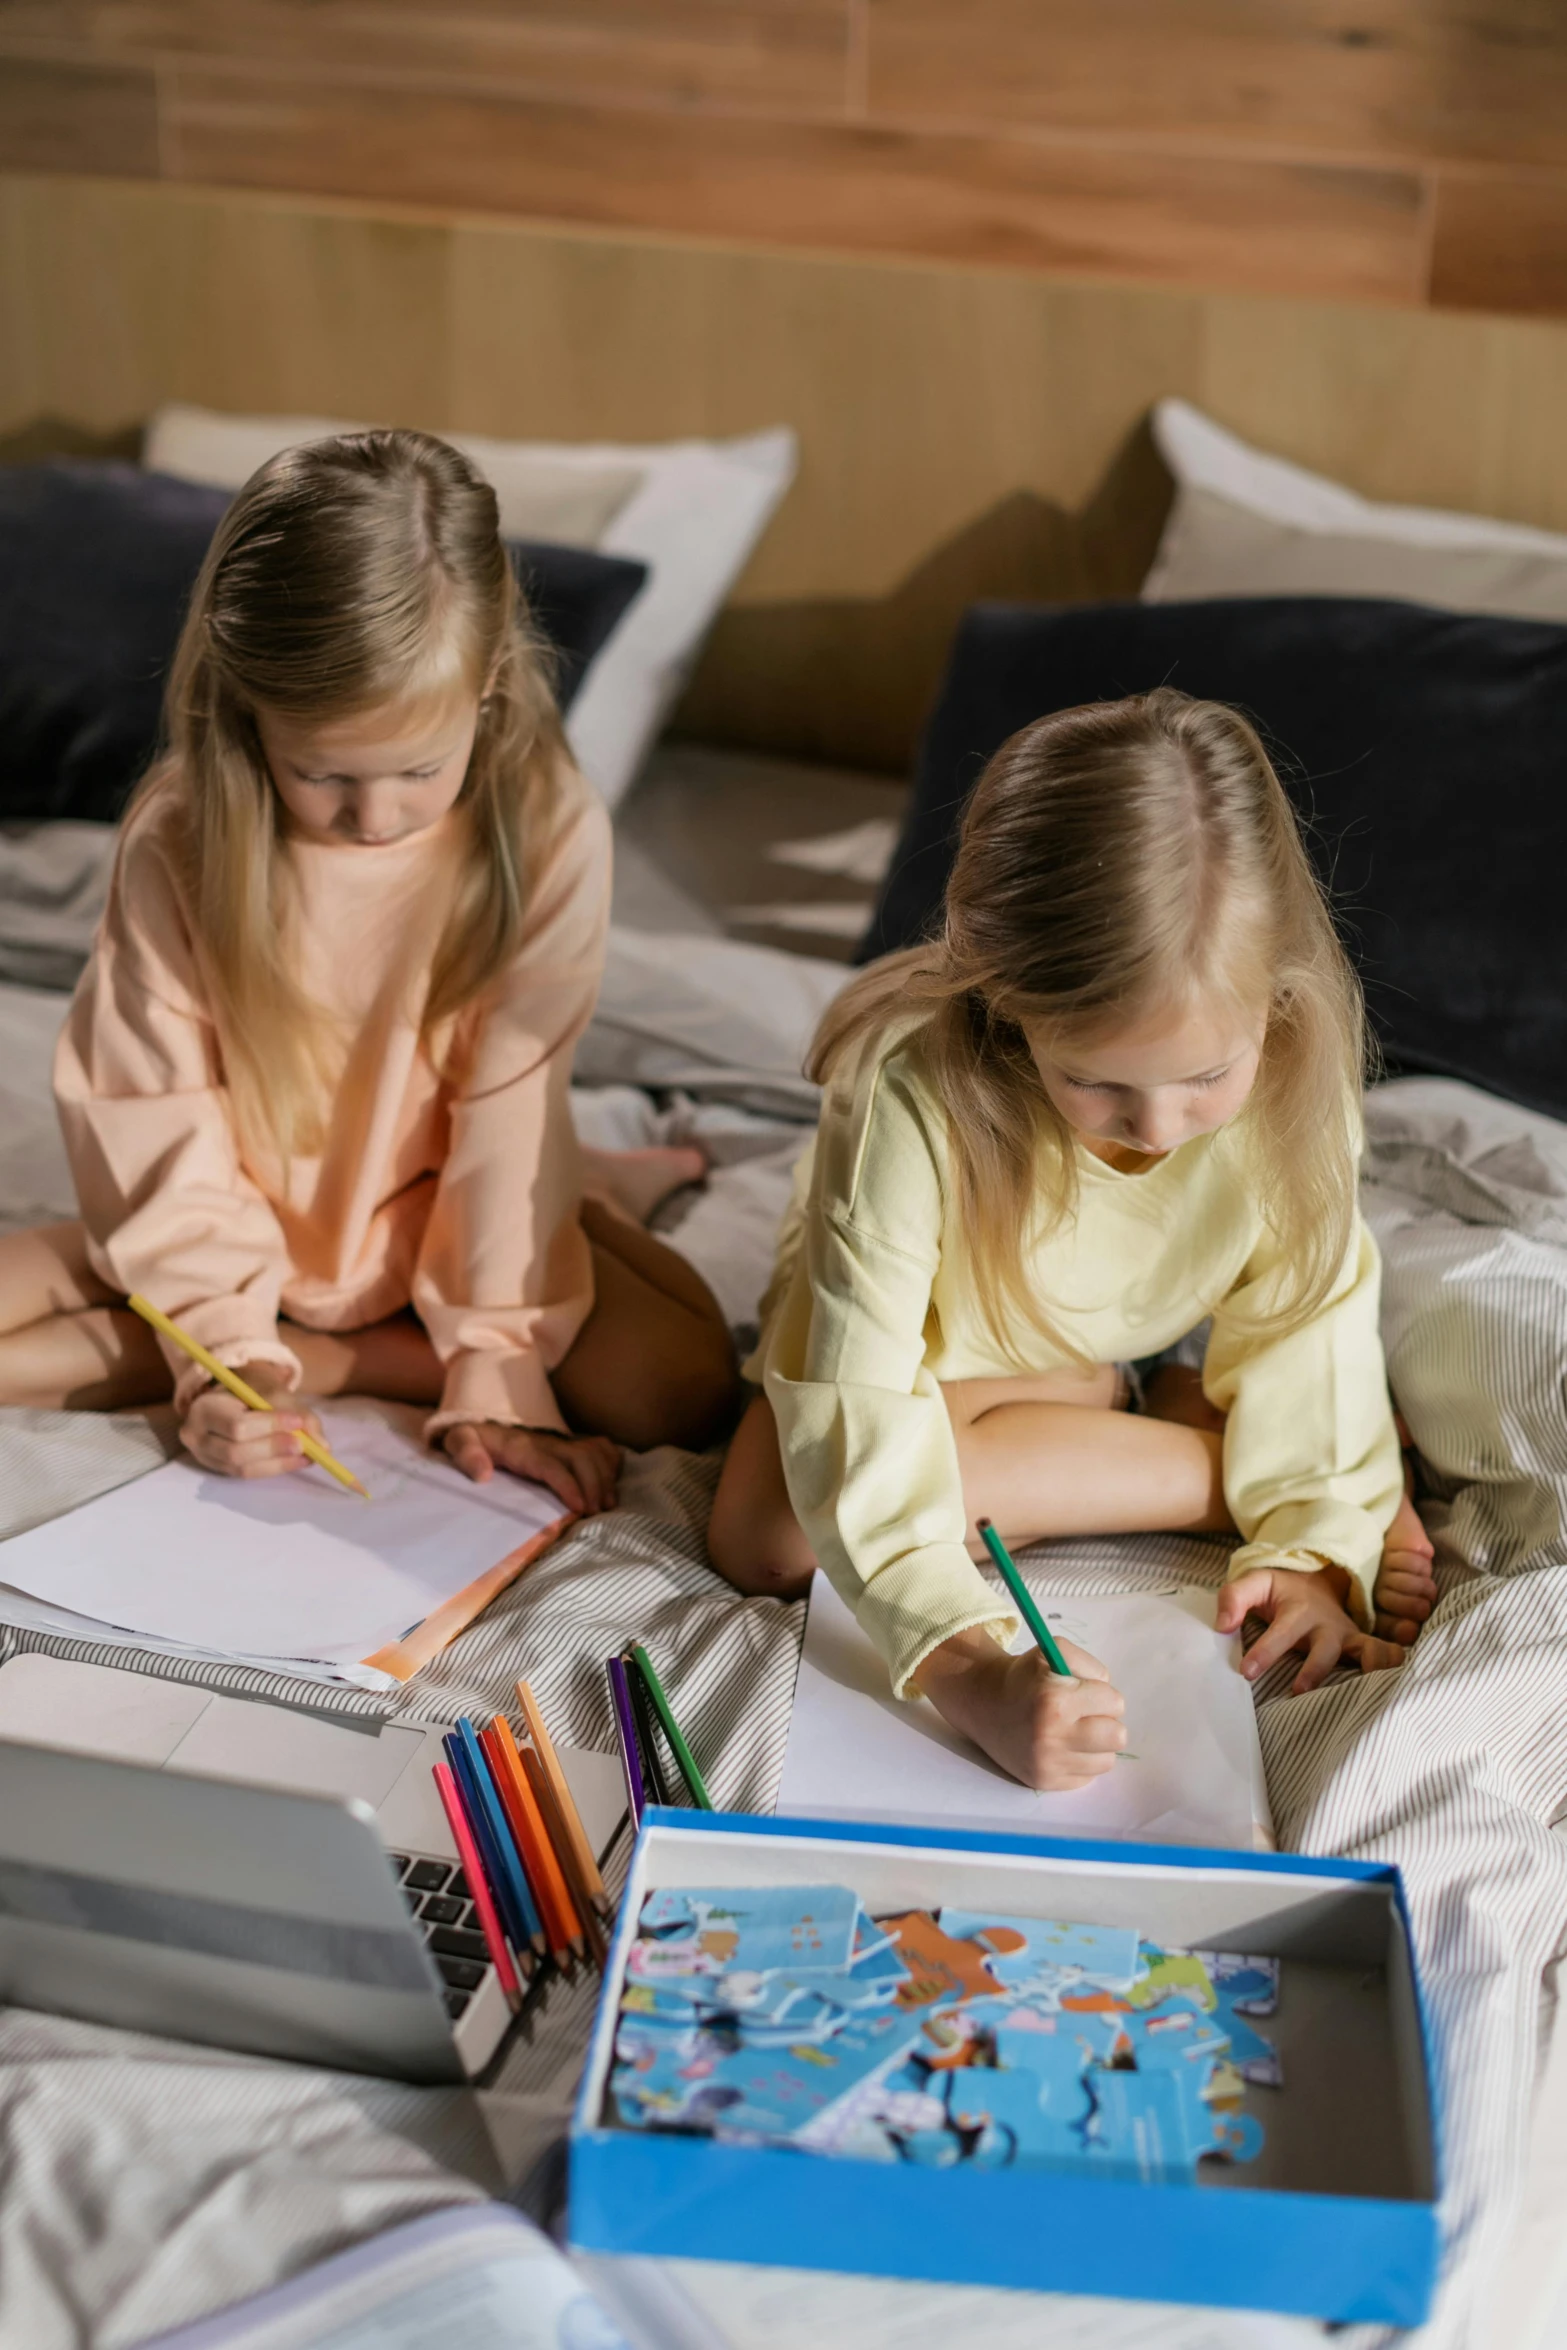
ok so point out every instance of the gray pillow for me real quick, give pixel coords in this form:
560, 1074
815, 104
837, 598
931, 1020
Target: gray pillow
1245, 523
1212, 547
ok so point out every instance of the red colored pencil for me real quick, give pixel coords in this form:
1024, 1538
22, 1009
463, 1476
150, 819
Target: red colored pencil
478, 1887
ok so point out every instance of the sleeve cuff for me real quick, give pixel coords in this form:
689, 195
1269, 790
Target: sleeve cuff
190, 1378
913, 1604
512, 1389
1267, 1555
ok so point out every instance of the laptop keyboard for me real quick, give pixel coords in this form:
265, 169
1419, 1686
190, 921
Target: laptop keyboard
437, 1893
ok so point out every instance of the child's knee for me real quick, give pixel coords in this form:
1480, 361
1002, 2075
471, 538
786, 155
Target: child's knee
759, 1551
761, 1569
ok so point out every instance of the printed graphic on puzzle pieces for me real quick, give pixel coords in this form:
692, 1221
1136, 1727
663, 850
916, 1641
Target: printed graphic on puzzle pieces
938, 2039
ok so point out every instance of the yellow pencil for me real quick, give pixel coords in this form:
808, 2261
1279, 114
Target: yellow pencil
310, 1445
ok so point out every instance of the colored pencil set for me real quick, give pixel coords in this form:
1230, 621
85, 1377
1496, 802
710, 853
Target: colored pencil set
530, 1868
637, 1702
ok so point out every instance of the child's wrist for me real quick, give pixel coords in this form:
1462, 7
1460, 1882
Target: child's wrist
1336, 1578
954, 1659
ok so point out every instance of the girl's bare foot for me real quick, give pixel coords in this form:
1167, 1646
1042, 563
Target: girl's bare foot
1406, 1581
637, 1183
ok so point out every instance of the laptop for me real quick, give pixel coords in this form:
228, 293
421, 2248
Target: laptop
241, 1873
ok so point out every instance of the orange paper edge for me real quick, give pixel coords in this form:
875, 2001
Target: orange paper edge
403, 1658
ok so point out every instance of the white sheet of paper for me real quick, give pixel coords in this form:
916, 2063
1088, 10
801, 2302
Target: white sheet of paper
857, 1752
287, 1567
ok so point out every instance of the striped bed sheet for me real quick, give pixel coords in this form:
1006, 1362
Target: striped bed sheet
1455, 1767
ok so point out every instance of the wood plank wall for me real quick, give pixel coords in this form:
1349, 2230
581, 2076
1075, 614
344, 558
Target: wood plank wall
1413, 151
963, 432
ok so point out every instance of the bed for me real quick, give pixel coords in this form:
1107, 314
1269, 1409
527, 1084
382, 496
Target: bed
147, 2182
143, 2183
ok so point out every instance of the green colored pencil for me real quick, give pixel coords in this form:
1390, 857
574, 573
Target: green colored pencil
665, 1712
1025, 1604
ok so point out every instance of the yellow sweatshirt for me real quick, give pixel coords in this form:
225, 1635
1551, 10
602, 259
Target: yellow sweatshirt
872, 1307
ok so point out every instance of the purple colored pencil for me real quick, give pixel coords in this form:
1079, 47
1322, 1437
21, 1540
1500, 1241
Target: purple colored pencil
630, 1753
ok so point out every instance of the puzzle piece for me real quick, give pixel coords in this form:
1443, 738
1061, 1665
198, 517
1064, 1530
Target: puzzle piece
785, 2016
1175, 2033
940, 1965
1170, 1972
1145, 2127
1019, 1948
1250, 1984
717, 1931
1019, 2118
780, 2091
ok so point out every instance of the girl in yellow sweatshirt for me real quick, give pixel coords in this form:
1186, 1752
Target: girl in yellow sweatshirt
314, 1084
1114, 1099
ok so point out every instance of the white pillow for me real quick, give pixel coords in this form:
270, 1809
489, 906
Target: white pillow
543, 493
712, 1017
691, 510
1246, 524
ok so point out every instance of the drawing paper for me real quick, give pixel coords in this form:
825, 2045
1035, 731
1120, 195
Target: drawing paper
857, 1752
286, 1567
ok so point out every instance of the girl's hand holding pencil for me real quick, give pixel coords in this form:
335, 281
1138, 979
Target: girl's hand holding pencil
226, 1435
1050, 1717
232, 1427
1051, 1732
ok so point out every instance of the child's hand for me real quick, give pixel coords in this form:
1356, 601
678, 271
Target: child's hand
1304, 1610
226, 1435
582, 1471
1052, 1734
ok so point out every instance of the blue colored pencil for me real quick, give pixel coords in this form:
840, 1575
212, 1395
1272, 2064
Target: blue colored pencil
500, 1826
518, 1915
473, 1812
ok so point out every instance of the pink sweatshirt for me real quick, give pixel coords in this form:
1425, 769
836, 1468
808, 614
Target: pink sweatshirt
460, 1199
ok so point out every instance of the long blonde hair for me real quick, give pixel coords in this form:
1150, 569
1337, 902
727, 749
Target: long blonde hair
1116, 859
347, 575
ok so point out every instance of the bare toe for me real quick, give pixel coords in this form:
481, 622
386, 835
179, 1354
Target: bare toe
1406, 1534
1400, 1615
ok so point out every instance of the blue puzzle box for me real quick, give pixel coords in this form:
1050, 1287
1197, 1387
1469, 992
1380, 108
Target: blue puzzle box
1334, 2219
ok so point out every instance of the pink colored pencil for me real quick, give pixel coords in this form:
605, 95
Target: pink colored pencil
473, 1870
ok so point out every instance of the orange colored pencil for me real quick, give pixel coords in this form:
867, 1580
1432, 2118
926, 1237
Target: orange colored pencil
538, 1854
544, 1796
582, 1850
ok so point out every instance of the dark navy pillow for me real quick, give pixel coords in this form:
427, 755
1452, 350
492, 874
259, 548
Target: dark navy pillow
1427, 751
97, 562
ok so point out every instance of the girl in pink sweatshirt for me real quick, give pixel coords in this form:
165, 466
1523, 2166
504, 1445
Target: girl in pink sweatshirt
314, 1082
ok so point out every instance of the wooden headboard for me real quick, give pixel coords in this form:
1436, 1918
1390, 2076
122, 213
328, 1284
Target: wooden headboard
964, 432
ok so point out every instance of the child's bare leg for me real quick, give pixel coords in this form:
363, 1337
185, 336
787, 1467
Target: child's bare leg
1041, 1465
65, 1340
392, 1359
654, 1362
1043, 1456
1406, 1581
